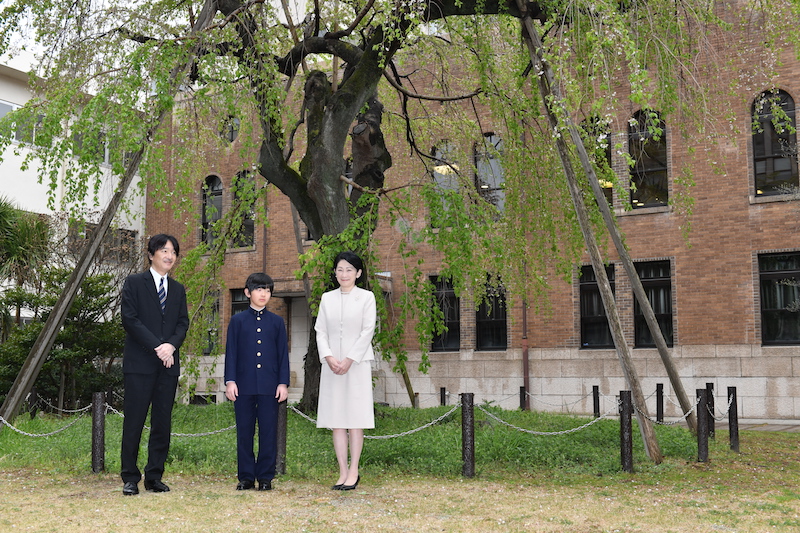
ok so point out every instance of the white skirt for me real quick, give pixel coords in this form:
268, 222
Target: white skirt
345, 402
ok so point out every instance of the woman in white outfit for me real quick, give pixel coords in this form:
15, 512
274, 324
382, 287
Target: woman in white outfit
345, 325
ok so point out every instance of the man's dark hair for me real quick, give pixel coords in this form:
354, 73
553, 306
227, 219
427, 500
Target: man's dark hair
256, 280
159, 241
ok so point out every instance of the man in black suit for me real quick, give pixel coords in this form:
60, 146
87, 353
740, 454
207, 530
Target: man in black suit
155, 319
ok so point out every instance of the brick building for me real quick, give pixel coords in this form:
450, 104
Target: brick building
718, 297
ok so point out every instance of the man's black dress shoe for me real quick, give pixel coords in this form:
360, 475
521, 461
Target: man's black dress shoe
247, 484
353, 486
155, 485
264, 484
130, 488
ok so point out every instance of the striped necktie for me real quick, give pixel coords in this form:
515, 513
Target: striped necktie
162, 295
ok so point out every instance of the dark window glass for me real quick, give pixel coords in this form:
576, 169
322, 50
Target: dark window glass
490, 322
597, 139
780, 298
489, 175
655, 276
774, 144
445, 176
230, 129
212, 208
647, 143
595, 332
119, 245
449, 340
239, 302
244, 193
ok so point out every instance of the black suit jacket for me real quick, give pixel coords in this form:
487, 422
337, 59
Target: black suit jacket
147, 327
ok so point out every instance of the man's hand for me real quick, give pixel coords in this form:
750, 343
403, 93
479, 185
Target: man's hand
232, 391
282, 393
165, 353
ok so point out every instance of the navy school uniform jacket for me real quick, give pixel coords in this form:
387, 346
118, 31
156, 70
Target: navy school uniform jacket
257, 352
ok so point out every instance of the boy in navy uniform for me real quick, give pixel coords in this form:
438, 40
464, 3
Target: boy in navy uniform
256, 380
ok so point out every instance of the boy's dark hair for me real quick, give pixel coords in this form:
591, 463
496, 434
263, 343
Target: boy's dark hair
257, 280
351, 258
159, 241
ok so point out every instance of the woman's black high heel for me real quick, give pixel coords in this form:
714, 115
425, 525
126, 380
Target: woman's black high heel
353, 486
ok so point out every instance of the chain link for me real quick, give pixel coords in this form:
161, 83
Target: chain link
403, 434
204, 434
656, 421
6, 422
545, 433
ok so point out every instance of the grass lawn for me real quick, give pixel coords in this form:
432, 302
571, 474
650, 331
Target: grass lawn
523, 482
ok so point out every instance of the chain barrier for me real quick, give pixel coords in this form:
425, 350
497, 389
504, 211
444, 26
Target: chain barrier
204, 434
61, 411
546, 433
723, 414
674, 422
7, 423
559, 404
403, 434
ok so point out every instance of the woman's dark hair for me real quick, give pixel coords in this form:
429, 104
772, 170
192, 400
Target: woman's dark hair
159, 241
256, 280
351, 258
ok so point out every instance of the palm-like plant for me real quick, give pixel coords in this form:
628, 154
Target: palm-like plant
24, 244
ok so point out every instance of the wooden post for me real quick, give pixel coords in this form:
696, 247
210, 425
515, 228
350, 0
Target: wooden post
442, 396
98, 432
467, 435
702, 425
280, 464
626, 431
556, 108
660, 402
733, 419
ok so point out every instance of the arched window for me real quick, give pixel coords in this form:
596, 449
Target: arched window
212, 208
647, 144
774, 143
244, 192
489, 175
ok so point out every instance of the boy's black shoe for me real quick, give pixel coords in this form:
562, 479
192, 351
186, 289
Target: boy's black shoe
264, 484
247, 484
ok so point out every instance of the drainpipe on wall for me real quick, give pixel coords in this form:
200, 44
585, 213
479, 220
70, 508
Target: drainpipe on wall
526, 378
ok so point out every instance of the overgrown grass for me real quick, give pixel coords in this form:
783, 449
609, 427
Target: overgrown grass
433, 451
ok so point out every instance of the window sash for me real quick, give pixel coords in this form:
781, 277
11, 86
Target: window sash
490, 324
657, 284
780, 323
449, 304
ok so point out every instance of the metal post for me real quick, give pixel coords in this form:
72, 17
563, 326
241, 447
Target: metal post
733, 419
711, 410
280, 463
442, 396
702, 425
523, 395
98, 432
626, 430
596, 400
467, 434
660, 402
416, 400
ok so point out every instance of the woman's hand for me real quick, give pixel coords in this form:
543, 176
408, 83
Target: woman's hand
339, 367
